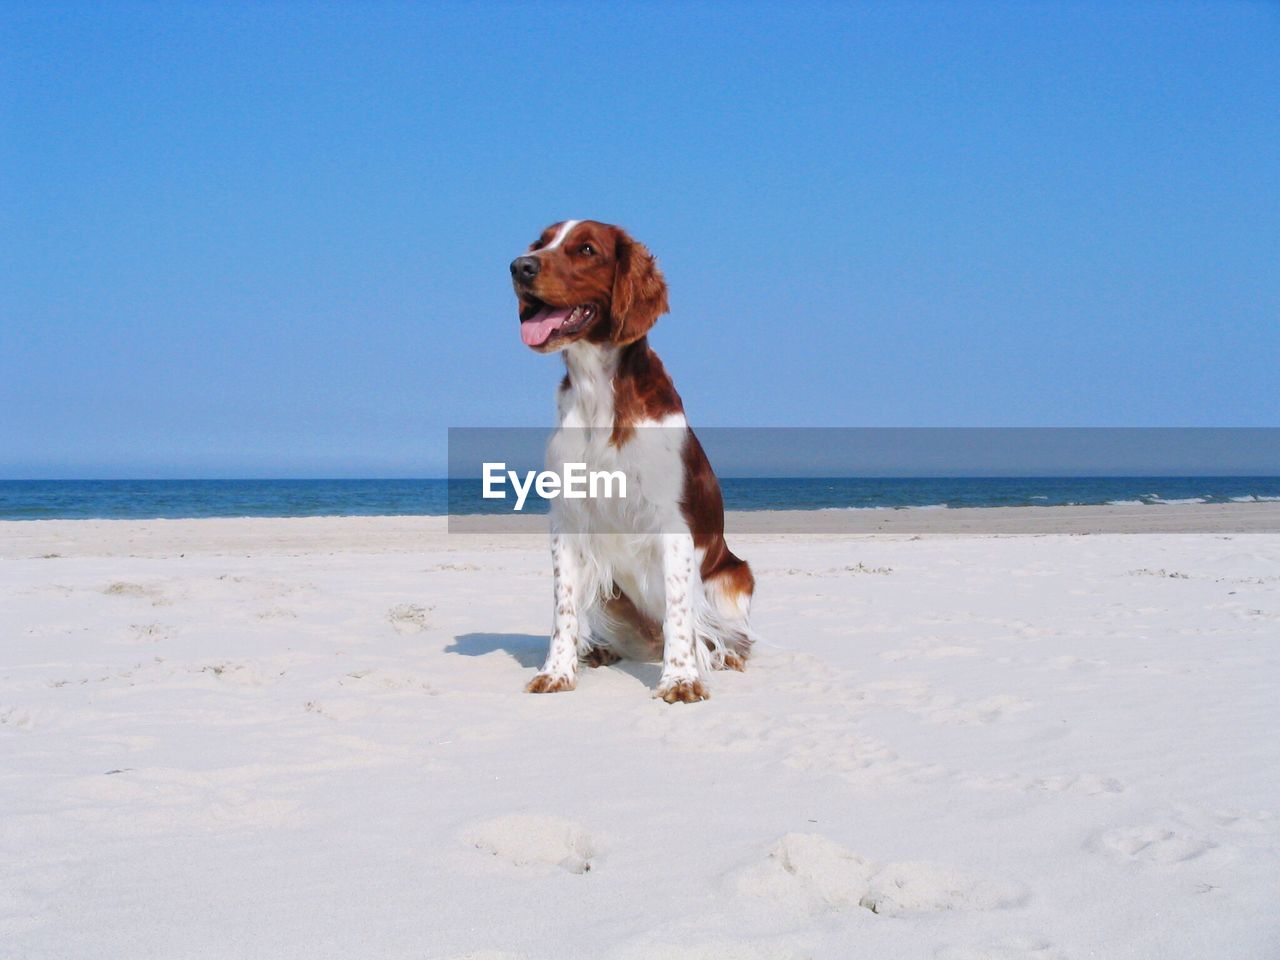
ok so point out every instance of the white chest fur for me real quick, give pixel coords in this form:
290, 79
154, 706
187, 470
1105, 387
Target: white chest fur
620, 539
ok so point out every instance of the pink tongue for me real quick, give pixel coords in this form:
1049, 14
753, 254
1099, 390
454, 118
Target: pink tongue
535, 331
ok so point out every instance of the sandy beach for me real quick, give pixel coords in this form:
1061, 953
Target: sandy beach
307, 738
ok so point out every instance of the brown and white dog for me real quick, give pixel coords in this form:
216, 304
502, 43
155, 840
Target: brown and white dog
648, 576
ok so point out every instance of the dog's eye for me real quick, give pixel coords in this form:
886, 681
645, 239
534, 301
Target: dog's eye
587, 250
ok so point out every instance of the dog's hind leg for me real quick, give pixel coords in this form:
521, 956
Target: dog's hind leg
600, 657
619, 630
728, 593
731, 661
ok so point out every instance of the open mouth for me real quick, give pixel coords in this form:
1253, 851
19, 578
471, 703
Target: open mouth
541, 322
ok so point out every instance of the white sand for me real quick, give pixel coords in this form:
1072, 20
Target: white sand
306, 738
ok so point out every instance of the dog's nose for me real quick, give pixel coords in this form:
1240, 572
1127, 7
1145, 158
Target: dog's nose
524, 269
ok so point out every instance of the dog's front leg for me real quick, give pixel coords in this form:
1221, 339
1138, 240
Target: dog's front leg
560, 671
680, 681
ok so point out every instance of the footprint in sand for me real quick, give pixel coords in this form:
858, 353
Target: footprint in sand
16, 718
339, 711
1151, 844
528, 840
121, 588
124, 588
408, 617
150, 632
813, 874
243, 674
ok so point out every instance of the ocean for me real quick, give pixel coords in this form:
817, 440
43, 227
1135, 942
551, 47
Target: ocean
181, 499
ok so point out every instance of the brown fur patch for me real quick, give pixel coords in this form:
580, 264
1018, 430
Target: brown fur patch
545, 683
600, 657
686, 691
639, 295
642, 390
600, 265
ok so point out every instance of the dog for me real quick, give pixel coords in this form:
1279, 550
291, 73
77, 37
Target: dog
648, 576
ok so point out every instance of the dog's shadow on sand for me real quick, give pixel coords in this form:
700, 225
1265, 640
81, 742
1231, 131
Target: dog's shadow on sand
525, 649
529, 650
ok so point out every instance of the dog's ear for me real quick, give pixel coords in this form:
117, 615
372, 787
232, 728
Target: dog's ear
639, 292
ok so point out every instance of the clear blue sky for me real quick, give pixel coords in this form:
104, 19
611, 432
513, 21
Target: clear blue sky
272, 240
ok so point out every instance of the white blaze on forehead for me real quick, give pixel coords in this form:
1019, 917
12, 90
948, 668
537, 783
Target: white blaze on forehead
561, 234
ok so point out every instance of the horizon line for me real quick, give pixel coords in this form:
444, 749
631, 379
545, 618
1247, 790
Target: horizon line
843, 476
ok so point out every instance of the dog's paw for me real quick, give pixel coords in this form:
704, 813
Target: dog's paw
550, 683
733, 661
682, 691
600, 657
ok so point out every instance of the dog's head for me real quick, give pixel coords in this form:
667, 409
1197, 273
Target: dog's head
583, 280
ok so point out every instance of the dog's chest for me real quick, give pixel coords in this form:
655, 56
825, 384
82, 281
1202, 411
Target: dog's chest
650, 456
